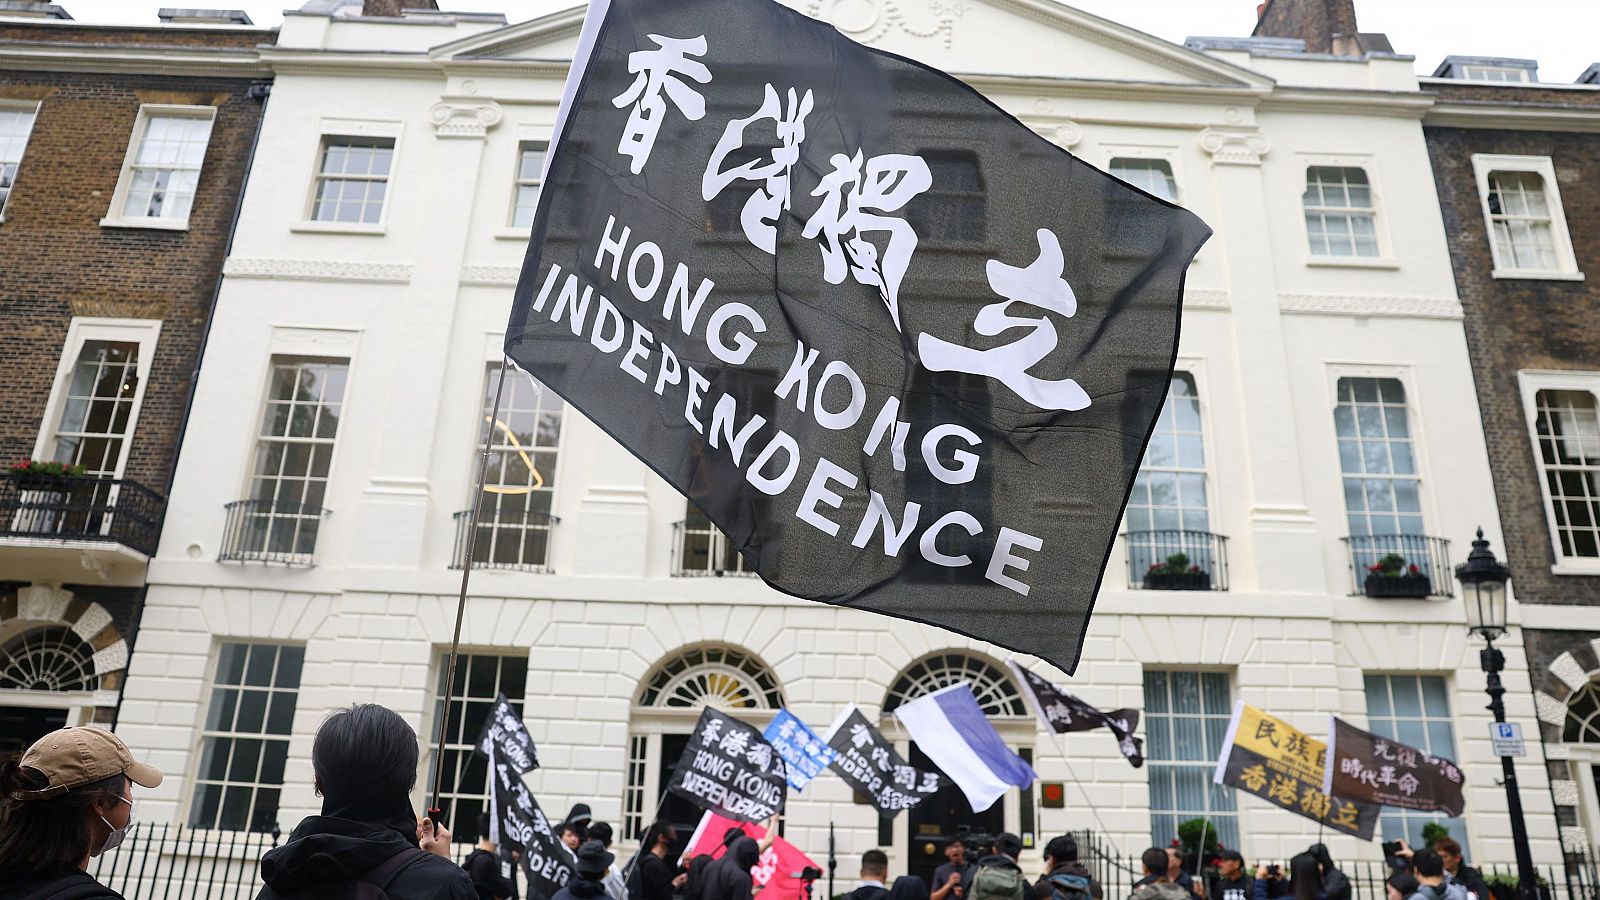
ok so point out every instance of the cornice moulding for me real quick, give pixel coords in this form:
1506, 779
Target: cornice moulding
316, 270
1459, 114
1206, 298
132, 60
1374, 305
490, 276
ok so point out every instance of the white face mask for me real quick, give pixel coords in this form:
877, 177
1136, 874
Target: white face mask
114, 839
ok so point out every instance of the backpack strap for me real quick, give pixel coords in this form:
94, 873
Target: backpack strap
381, 874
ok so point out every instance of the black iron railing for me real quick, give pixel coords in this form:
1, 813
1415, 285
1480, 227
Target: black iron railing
271, 531
704, 550
1423, 569
507, 538
1177, 560
81, 507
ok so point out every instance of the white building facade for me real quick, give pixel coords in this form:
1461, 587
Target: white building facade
1323, 416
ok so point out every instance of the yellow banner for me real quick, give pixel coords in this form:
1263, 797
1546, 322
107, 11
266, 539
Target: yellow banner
1286, 748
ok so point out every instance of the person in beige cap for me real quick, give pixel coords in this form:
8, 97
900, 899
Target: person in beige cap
68, 798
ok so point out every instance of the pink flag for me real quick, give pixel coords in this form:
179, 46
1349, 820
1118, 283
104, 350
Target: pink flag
774, 873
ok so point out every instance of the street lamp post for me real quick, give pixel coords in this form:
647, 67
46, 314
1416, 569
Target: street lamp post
1483, 586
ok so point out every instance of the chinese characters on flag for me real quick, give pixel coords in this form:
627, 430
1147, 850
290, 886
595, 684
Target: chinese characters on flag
1266, 756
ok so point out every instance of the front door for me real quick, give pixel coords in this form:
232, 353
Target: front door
20, 726
943, 816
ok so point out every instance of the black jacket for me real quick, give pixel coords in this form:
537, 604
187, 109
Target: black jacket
729, 877
1241, 888
57, 883
1044, 888
868, 892
326, 851
581, 889
651, 878
483, 868
1469, 878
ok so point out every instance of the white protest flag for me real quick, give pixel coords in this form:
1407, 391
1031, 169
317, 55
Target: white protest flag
949, 726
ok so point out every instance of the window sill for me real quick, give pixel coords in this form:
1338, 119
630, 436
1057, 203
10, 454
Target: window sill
1352, 262
338, 228
1576, 567
1531, 275
148, 224
514, 234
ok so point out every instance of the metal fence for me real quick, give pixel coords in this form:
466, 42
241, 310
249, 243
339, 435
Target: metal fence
80, 507
1575, 880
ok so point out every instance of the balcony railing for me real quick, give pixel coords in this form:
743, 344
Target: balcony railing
509, 538
1429, 555
1177, 560
704, 550
270, 531
80, 508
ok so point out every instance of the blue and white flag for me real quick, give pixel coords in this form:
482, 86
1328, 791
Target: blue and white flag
806, 754
949, 726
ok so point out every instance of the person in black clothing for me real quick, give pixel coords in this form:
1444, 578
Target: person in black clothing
1007, 849
1062, 869
729, 877
365, 763
652, 877
874, 877
575, 828
483, 866
694, 885
590, 869
1455, 867
1233, 881
67, 799
909, 887
947, 878
1175, 875
1334, 882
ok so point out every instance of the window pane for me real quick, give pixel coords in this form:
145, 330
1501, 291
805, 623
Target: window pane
1412, 709
1186, 719
515, 523
240, 768
479, 679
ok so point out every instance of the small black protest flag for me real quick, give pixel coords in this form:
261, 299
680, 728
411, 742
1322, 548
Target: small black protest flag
1378, 769
867, 761
730, 769
1265, 756
853, 310
546, 862
1061, 712
504, 733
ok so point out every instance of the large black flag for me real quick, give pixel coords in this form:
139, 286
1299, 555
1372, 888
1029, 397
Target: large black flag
904, 351
546, 862
730, 769
867, 761
1062, 712
1376, 769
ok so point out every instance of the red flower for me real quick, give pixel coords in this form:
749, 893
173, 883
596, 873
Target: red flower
1415, 571
1194, 568
1374, 568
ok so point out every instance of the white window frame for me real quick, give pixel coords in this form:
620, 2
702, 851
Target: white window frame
1531, 382
494, 354
1110, 152
1195, 368
513, 231
440, 657
200, 733
1457, 739
1380, 227
1566, 263
144, 332
29, 106
358, 129
1468, 70
115, 217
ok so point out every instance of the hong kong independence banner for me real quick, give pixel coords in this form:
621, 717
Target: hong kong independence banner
902, 350
1266, 756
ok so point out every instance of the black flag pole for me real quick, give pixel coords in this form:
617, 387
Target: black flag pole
434, 810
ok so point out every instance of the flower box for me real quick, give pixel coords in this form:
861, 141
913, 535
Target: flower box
1177, 581
1411, 584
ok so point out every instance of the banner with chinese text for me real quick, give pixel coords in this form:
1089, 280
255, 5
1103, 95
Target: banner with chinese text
869, 764
1381, 770
804, 753
729, 768
1266, 756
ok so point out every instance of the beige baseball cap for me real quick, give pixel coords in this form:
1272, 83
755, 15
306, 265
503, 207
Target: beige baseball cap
73, 757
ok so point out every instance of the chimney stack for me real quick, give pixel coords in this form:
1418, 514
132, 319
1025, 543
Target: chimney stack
1327, 26
394, 7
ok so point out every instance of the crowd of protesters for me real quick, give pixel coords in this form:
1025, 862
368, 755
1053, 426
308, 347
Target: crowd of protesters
69, 798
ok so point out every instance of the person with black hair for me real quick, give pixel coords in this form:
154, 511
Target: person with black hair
997, 876
364, 760
1400, 885
1064, 877
874, 877
948, 877
651, 876
1232, 882
1456, 868
1305, 879
1428, 869
1156, 885
615, 888
483, 866
575, 828
1334, 882
909, 887
65, 800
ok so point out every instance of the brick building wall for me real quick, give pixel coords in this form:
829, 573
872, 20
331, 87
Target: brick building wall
61, 263
1516, 324
1317, 22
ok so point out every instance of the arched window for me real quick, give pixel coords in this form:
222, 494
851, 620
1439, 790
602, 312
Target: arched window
51, 658
995, 691
664, 713
1583, 716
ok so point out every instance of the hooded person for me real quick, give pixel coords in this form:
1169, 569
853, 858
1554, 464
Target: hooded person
695, 881
729, 877
365, 762
588, 881
997, 876
66, 800
1064, 877
575, 827
1334, 882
